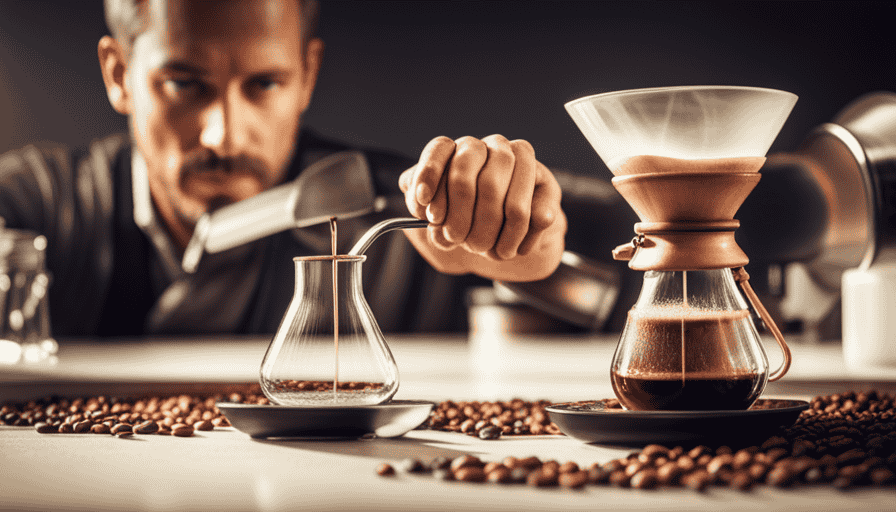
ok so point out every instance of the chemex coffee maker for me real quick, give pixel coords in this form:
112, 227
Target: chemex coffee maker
685, 159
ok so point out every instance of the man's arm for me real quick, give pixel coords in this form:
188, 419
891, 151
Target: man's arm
494, 210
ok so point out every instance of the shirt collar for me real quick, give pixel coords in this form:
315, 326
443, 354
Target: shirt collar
146, 219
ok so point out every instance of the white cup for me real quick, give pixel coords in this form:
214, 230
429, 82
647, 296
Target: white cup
869, 318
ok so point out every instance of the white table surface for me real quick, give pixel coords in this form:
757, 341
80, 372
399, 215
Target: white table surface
226, 470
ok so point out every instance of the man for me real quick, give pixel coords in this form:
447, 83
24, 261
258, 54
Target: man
214, 93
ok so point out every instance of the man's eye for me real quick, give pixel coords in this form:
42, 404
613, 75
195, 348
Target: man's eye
263, 84
183, 87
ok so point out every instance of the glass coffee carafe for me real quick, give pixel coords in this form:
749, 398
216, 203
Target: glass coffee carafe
689, 344
685, 158
329, 349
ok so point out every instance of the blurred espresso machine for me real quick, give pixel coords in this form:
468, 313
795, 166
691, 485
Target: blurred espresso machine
828, 271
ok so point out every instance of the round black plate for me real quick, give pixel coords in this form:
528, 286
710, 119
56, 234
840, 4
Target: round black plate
593, 422
391, 419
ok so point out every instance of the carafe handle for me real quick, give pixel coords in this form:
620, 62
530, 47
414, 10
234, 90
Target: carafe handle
743, 278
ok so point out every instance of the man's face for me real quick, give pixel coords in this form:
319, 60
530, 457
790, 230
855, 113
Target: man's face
216, 91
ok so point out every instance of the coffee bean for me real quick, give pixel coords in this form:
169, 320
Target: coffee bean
470, 474
697, 481
519, 475
568, 467
813, 475
124, 434
644, 479
542, 478
66, 428
742, 459
842, 483
618, 478
573, 479
466, 461
443, 474
653, 451
697, 451
615, 464
45, 428
758, 470
669, 474
204, 425
385, 470
780, 476
551, 465
850, 457
500, 475
719, 462
490, 433
122, 427
597, 474
742, 481
181, 430
491, 466
99, 428
147, 427
882, 476
686, 463
412, 466
529, 462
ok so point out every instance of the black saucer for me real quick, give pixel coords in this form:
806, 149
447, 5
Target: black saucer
391, 419
594, 422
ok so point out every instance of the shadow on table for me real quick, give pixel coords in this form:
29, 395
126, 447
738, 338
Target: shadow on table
378, 448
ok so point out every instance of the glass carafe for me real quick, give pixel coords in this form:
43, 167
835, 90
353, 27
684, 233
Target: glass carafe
314, 360
689, 344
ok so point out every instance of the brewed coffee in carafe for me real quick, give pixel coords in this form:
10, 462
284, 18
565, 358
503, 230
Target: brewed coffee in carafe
689, 344
685, 158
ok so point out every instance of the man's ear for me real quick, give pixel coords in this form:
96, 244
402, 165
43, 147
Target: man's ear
113, 65
314, 53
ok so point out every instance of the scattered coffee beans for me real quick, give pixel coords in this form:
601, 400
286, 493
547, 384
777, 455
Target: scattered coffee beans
123, 416
843, 440
491, 420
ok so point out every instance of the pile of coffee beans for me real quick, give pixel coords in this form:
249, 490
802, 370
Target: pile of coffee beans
843, 440
491, 420
177, 415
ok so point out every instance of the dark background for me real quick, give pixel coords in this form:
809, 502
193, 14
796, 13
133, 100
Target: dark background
397, 74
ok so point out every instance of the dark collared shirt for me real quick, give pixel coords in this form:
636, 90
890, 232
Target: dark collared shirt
112, 265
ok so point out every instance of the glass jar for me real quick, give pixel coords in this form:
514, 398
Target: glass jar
329, 349
689, 344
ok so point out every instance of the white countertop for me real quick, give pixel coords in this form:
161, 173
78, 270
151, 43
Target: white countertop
225, 470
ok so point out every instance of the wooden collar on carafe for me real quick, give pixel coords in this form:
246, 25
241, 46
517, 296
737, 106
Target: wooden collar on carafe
674, 246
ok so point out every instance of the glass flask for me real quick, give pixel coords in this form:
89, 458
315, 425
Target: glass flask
25, 335
689, 344
326, 351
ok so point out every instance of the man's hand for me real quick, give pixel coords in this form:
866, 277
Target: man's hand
493, 208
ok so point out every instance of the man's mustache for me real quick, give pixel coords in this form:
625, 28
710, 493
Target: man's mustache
204, 162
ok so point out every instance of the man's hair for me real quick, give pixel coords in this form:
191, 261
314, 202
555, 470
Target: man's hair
127, 19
